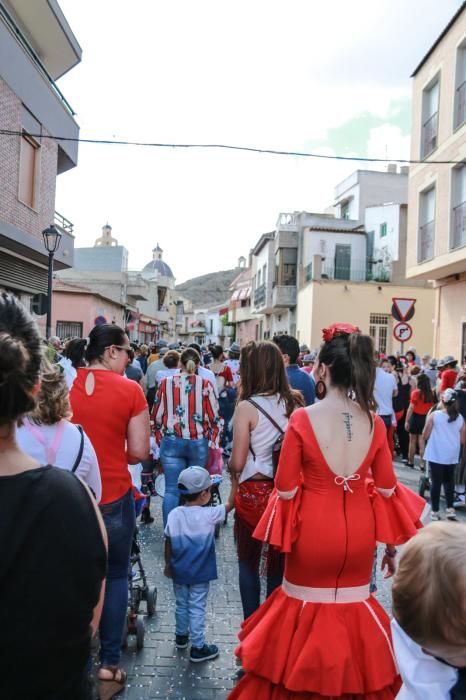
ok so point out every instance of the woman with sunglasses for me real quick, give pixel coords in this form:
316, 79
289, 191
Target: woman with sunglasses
113, 412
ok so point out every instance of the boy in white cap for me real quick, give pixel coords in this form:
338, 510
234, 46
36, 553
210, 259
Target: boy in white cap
190, 559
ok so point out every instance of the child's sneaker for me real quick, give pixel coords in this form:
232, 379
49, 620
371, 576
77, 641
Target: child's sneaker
205, 653
435, 515
181, 641
450, 513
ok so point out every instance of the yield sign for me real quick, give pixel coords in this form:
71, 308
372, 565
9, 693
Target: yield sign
404, 307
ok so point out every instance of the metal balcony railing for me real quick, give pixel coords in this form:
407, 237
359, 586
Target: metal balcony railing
459, 226
426, 241
259, 295
429, 135
357, 271
63, 223
460, 115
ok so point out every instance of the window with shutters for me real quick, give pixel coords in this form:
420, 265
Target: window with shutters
29, 158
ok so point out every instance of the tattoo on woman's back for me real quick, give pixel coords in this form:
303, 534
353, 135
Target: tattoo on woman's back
347, 418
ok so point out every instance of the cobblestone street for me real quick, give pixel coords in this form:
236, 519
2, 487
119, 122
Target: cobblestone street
159, 670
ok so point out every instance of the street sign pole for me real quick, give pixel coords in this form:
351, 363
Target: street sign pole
402, 311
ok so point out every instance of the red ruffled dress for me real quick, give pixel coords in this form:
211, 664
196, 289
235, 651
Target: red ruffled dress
321, 634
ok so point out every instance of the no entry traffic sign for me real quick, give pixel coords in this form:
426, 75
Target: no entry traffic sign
402, 332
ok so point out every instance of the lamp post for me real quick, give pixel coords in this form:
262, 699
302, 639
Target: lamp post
51, 238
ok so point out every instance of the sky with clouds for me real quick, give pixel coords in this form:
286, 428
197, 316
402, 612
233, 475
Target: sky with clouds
300, 75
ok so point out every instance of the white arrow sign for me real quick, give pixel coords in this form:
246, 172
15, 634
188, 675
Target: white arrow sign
403, 306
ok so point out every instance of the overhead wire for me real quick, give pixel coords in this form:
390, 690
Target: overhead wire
231, 147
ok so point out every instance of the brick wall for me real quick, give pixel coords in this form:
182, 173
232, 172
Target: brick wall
12, 211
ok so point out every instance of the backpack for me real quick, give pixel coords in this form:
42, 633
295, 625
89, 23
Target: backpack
277, 445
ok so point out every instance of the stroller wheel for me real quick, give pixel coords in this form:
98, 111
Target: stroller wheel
424, 485
139, 632
151, 600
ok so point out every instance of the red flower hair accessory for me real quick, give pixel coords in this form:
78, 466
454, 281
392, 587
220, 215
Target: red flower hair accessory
336, 329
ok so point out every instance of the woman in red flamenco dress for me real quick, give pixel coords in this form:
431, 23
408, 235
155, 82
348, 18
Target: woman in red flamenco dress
321, 635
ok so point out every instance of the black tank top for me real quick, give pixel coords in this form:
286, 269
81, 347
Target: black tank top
52, 562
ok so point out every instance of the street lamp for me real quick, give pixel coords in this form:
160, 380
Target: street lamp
51, 238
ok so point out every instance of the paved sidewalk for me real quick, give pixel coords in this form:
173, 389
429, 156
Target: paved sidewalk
159, 670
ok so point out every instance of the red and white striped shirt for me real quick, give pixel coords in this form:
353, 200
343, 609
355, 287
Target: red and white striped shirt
186, 407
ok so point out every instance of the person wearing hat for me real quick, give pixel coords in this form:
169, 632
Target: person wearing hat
303, 350
151, 377
448, 373
431, 371
190, 559
308, 363
233, 361
445, 432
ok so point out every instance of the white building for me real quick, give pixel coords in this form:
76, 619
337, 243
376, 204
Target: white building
365, 188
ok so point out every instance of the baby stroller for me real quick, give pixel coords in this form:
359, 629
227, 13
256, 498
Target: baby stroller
216, 499
138, 592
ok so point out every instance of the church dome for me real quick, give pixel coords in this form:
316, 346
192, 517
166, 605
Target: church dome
158, 265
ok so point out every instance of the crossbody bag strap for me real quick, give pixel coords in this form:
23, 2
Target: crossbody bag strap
264, 412
80, 451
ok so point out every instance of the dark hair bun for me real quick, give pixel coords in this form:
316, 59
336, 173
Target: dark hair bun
15, 385
20, 358
13, 356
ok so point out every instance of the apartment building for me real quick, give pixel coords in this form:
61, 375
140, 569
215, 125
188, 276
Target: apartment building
437, 185
37, 47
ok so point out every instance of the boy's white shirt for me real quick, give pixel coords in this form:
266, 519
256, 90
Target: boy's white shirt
424, 678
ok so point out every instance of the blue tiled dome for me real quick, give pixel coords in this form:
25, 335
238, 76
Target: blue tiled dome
159, 266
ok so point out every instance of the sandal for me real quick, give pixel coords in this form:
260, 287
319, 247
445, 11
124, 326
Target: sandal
108, 687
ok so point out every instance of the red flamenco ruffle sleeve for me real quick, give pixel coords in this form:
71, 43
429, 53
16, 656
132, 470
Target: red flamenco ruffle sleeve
397, 510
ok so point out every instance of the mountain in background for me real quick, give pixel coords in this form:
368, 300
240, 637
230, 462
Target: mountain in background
208, 290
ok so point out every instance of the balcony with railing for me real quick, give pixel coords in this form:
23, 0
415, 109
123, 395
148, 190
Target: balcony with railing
259, 295
284, 296
357, 271
460, 111
287, 222
458, 237
429, 135
63, 223
426, 241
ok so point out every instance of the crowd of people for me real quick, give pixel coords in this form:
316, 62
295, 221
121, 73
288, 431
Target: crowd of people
307, 439
422, 400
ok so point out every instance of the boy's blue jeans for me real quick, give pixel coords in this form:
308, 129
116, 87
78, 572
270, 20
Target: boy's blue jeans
190, 609
175, 455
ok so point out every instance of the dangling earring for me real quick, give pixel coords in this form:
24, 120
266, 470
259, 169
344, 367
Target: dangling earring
321, 390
